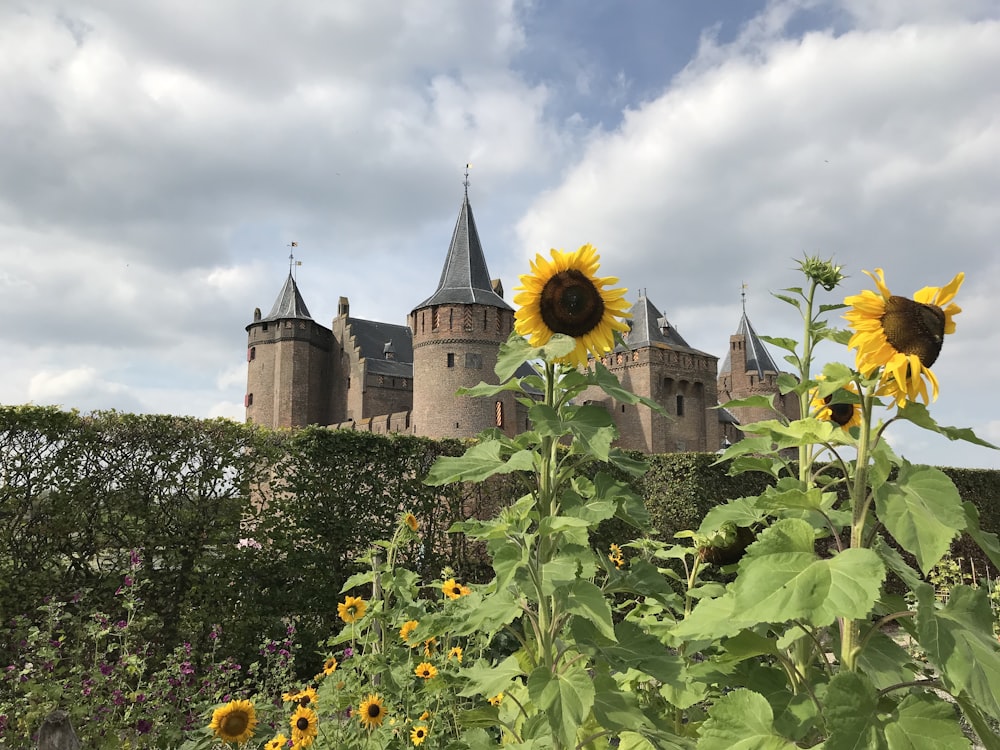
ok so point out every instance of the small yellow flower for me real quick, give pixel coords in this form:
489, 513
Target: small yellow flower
495, 700
419, 734
372, 713
330, 666
615, 556
305, 726
424, 716
456, 652
454, 590
234, 722
351, 609
277, 742
429, 645
408, 627
426, 670
411, 521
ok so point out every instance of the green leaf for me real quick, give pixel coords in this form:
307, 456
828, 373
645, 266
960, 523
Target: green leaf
765, 402
742, 511
514, 352
590, 426
885, 662
741, 720
565, 698
917, 413
485, 679
987, 737
638, 650
987, 540
781, 579
852, 713
781, 343
923, 512
479, 462
615, 708
585, 600
609, 383
786, 382
923, 722
958, 639
489, 389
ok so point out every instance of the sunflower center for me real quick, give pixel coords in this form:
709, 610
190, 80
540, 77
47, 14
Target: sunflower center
304, 700
302, 723
914, 328
571, 304
841, 413
235, 723
374, 710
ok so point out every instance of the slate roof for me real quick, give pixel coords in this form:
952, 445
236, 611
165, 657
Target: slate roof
649, 327
289, 303
758, 358
465, 278
372, 337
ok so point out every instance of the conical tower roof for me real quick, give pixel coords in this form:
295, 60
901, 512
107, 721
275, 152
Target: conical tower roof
465, 278
758, 358
289, 303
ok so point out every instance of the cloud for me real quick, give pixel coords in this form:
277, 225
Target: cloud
83, 388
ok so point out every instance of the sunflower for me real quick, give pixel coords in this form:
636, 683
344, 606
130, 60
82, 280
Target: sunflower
902, 336
846, 414
372, 712
426, 670
565, 295
496, 699
419, 734
330, 665
411, 521
616, 556
408, 627
456, 652
351, 609
234, 722
276, 743
429, 645
454, 590
305, 726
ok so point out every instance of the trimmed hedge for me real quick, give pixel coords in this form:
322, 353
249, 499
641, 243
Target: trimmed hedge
78, 492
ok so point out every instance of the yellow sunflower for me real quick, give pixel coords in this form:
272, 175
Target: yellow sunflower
277, 742
847, 415
234, 722
565, 295
454, 590
411, 521
426, 670
372, 712
616, 556
430, 645
408, 627
496, 699
419, 734
902, 336
330, 666
456, 653
305, 726
351, 609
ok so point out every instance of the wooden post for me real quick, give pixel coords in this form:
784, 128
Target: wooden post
56, 733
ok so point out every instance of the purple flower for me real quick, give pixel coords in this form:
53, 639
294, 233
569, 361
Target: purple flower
128, 581
133, 557
106, 668
121, 624
348, 652
143, 726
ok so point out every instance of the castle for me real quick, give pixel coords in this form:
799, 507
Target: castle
381, 377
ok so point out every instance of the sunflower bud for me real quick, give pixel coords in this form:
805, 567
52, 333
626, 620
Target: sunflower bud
823, 272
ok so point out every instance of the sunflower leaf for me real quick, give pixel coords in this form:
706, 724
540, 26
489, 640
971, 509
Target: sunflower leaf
852, 712
923, 512
917, 413
766, 402
565, 698
514, 352
741, 720
479, 462
987, 540
781, 343
609, 383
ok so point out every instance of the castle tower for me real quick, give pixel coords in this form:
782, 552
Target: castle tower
288, 362
748, 370
661, 365
457, 332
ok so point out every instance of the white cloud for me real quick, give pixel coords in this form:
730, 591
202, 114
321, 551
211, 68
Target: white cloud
83, 388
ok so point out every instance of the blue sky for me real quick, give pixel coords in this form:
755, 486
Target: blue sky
159, 157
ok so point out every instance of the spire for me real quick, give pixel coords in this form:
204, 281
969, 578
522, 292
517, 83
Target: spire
289, 303
757, 356
465, 278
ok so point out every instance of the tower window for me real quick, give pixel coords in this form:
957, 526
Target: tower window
451, 359
251, 354
499, 413
680, 405
248, 400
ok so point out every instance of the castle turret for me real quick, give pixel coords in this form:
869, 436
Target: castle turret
457, 333
660, 364
748, 370
288, 359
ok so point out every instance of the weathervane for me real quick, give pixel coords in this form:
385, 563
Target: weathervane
292, 263
465, 182
743, 297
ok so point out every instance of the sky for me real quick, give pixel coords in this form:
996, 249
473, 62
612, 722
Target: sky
159, 157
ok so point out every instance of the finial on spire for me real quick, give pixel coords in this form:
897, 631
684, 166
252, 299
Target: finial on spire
292, 263
465, 182
743, 297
